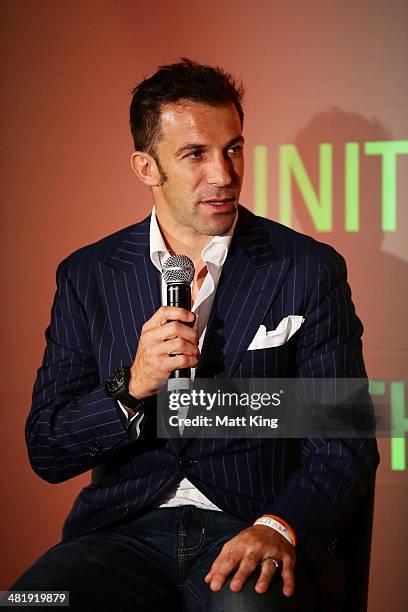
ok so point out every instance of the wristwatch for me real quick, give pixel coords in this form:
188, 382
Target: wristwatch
117, 386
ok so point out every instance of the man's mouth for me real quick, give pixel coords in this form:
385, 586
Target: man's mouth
224, 202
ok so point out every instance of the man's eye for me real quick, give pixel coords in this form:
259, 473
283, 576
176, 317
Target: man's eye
195, 154
236, 149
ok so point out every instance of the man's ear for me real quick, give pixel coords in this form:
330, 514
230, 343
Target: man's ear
145, 168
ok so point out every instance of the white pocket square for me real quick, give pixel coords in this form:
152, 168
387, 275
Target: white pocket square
267, 339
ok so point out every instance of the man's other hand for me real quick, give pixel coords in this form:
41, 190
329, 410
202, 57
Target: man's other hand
244, 553
167, 342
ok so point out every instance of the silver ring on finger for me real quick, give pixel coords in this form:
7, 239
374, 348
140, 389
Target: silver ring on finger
274, 561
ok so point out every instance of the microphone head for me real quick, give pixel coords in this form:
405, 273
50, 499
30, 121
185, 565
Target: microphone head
178, 269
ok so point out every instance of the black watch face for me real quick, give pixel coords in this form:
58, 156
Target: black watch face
116, 381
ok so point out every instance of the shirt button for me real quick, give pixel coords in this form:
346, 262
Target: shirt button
332, 547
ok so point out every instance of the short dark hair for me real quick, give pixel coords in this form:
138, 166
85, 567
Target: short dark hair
187, 80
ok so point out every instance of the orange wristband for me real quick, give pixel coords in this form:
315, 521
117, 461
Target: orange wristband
285, 524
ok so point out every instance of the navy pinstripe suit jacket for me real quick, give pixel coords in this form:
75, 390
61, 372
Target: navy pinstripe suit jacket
107, 290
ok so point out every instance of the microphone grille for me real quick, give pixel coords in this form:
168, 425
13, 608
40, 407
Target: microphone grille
178, 269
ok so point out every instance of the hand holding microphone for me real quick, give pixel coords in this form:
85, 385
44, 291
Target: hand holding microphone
168, 343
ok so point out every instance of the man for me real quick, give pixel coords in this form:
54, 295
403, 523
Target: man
171, 522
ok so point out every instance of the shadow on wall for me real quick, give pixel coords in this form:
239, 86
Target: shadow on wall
378, 279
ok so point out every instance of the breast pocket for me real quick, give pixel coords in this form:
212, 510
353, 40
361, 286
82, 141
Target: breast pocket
278, 361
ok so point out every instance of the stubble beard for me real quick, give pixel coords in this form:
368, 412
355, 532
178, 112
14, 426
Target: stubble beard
221, 224
193, 217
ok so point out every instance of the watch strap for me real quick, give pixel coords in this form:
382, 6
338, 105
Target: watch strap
130, 402
117, 386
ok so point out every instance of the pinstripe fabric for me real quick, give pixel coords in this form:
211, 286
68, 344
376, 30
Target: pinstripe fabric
106, 291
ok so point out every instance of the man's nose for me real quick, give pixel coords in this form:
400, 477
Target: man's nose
220, 171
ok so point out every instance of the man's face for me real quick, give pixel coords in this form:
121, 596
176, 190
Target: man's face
200, 152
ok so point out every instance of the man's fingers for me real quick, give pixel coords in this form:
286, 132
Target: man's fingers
246, 568
173, 331
163, 347
169, 313
288, 575
268, 570
213, 570
216, 577
179, 362
177, 346
220, 572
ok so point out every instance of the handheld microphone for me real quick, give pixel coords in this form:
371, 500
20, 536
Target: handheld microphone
178, 273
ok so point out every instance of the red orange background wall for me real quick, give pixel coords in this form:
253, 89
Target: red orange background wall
315, 72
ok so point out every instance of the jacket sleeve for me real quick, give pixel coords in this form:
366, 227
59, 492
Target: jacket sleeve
334, 473
73, 424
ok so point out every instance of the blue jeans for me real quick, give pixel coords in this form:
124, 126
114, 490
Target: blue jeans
157, 562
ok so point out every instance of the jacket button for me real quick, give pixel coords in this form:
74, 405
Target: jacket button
95, 448
185, 462
332, 547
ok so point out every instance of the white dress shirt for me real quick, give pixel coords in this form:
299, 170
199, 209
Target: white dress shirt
214, 255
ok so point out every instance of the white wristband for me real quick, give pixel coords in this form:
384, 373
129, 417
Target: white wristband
270, 522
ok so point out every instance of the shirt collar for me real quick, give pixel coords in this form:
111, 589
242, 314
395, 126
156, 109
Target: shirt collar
215, 252
158, 250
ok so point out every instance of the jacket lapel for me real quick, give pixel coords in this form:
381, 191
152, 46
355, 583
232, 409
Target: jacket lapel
250, 281
129, 285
